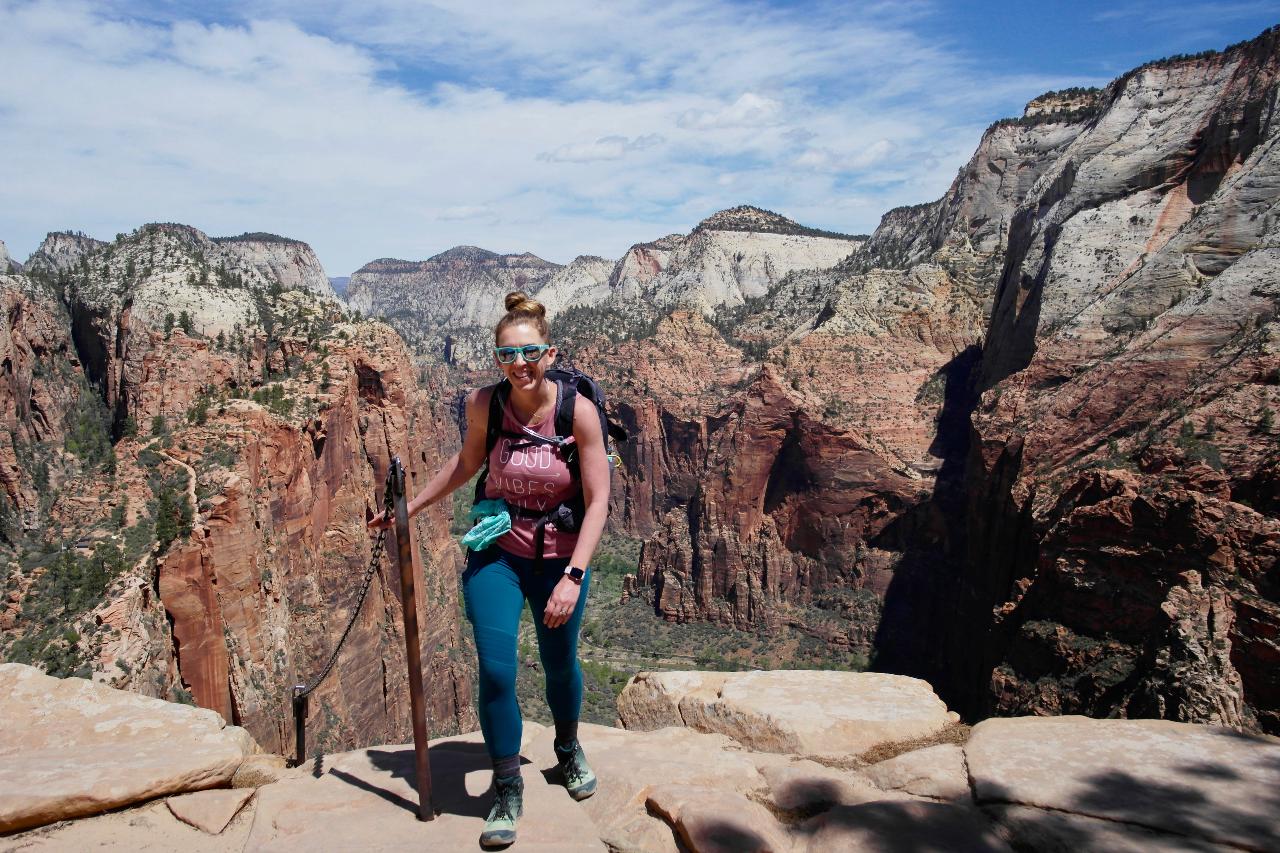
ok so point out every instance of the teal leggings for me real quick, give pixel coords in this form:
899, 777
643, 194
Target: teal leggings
495, 587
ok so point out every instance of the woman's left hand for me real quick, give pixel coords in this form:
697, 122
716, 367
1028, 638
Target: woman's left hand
564, 598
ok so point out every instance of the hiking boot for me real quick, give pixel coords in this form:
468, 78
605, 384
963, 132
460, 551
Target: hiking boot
578, 776
508, 804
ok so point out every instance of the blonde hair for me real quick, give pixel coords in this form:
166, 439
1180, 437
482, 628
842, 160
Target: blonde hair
522, 309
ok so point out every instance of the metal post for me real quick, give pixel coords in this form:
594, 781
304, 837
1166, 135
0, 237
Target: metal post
299, 724
413, 652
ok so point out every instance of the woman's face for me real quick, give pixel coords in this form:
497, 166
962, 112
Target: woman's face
524, 375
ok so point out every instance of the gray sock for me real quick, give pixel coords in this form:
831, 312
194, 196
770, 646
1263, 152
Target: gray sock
505, 768
566, 734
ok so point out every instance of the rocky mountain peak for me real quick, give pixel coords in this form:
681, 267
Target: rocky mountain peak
63, 250
746, 217
469, 254
484, 257
7, 264
1064, 101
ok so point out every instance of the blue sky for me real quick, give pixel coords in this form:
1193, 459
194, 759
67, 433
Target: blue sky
399, 128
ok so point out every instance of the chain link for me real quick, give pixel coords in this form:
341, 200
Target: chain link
301, 691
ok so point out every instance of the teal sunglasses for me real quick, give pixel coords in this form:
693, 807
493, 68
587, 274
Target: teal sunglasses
530, 353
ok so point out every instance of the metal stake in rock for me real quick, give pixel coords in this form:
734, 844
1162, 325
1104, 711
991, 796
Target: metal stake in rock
413, 652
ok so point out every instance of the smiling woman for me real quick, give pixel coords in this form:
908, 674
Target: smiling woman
545, 497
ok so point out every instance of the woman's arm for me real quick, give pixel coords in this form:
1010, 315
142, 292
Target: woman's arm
594, 466
458, 468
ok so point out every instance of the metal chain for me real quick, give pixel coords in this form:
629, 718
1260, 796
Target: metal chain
301, 691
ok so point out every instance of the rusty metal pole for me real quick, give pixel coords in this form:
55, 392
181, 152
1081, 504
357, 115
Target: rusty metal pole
413, 652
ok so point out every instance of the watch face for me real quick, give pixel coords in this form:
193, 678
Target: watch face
575, 573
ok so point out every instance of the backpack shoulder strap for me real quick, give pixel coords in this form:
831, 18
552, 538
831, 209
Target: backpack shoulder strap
564, 407
497, 402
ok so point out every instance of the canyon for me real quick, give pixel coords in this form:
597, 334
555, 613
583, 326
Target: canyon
187, 497
1020, 441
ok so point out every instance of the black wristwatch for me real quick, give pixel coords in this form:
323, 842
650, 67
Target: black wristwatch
575, 574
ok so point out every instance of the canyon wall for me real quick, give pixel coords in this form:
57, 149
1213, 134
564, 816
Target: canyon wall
1122, 511
218, 529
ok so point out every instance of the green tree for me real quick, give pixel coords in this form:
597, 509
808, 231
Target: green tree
167, 515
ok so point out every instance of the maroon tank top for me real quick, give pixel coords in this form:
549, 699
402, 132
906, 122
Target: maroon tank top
534, 477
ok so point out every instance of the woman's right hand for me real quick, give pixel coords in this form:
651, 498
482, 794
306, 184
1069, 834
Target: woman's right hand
379, 522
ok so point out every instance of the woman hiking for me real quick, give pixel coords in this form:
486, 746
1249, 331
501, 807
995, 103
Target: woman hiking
533, 559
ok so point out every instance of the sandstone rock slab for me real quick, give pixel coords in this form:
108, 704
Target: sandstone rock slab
806, 787
1056, 832
713, 820
147, 828
366, 800
807, 713
895, 827
937, 772
630, 764
1199, 782
210, 811
70, 748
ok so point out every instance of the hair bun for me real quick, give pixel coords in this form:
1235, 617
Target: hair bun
519, 303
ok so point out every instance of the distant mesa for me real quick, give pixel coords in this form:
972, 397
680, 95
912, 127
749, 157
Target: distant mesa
458, 255
465, 253
257, 237
746, 217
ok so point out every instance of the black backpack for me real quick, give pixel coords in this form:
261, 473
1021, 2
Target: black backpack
570, 383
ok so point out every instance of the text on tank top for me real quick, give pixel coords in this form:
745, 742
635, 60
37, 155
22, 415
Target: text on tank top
534, 476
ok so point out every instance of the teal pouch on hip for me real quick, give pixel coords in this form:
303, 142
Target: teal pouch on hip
490, 520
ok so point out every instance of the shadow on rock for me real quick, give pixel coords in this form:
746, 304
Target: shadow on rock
903, 827
450, 764
1193, 806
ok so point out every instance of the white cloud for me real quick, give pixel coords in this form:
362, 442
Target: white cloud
396, 128
750, 110
604, 148
464, 212
851, 161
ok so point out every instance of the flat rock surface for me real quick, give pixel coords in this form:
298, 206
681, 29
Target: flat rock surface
366, 800
1195, 781
937, 772
209, 811
901, 827
809, 787
148, 828
630, 764
713, 820
69, 748
806, 713
1056, 832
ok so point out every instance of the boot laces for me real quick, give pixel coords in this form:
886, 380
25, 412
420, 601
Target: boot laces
571, 765
504, 803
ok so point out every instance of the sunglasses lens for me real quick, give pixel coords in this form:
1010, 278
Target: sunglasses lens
533, 352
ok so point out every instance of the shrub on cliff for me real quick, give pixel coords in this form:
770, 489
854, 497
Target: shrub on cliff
89, 428
173, 515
